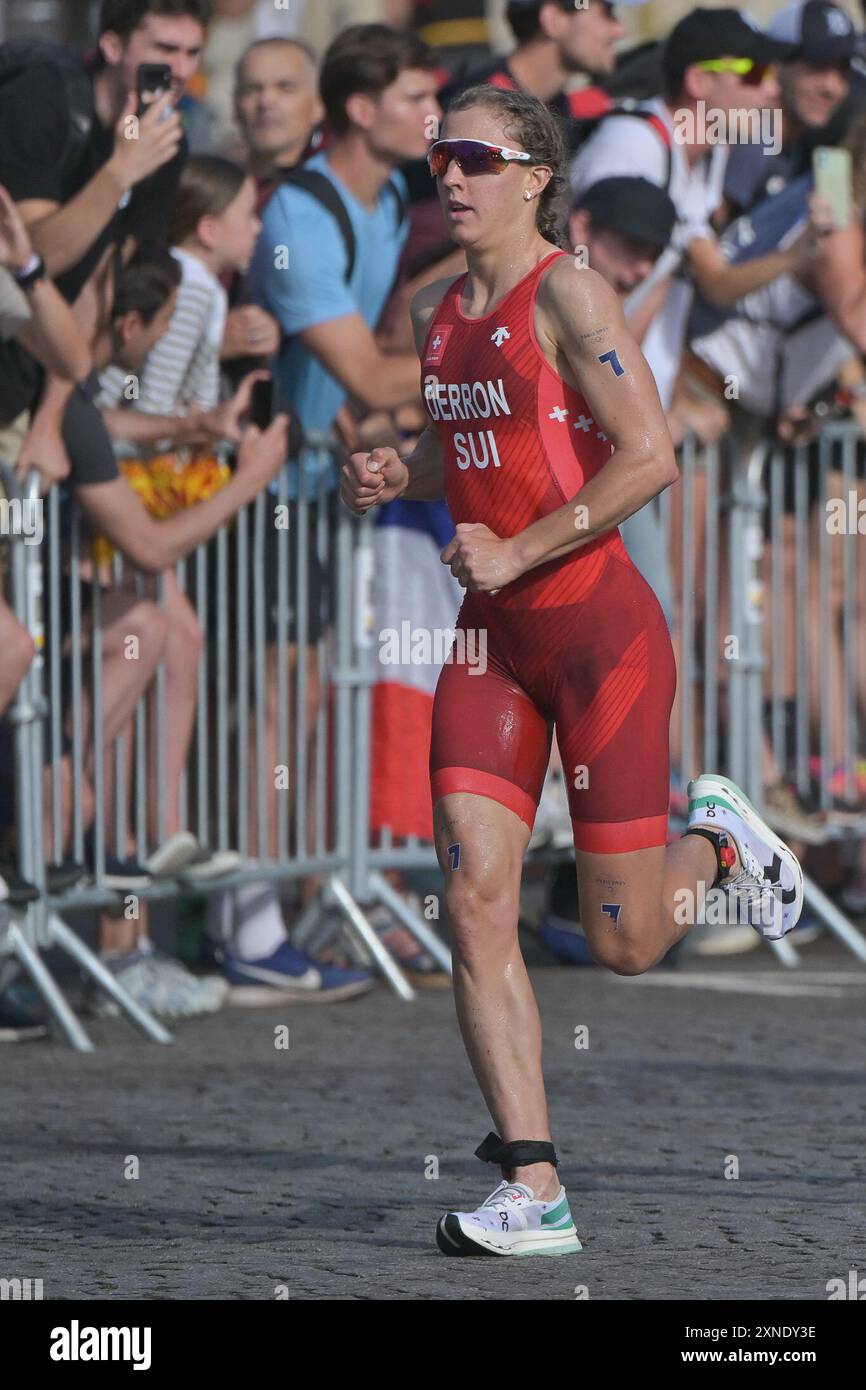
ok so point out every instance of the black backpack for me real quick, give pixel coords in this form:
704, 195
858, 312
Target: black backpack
19, 55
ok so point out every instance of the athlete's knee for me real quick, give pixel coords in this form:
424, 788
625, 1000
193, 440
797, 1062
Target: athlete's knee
623, 955
480, 895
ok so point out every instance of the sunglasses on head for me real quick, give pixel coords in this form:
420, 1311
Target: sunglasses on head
473, 157
752, 72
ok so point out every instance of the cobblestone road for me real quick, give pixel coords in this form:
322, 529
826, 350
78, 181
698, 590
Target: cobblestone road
305, 1168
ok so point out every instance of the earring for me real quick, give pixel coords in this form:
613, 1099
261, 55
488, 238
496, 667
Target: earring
527, 195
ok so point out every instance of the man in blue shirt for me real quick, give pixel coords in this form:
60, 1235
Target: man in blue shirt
324, 270
378, 87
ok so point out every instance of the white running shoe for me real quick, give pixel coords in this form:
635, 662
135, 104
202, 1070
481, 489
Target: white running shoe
768, 890
164, 986
511, 1222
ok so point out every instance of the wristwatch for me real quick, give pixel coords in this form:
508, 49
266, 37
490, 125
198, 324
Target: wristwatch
30, 273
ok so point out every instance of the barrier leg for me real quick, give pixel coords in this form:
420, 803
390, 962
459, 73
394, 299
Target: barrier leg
785, 953
834, 920
48, 988
60, 935
386, 894
358, 923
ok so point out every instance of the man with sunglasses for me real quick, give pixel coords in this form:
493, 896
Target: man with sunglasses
716, 58
814, 85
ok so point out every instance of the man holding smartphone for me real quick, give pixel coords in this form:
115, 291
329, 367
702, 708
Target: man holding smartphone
115, 175
814, 87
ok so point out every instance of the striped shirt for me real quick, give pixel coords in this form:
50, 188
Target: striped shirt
182, 369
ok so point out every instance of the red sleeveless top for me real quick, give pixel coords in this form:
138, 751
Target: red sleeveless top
518, 440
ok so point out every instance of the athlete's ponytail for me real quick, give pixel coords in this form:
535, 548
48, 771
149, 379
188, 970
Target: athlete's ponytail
533, 126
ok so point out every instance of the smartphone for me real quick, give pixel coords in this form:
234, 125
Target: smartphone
262, 403
832, 171
152, 80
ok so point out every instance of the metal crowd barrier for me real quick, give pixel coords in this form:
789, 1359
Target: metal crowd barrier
732, 671
734, 702
227, 774
716, 551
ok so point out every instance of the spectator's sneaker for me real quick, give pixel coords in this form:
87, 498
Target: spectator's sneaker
852, 898
23, 1016
788, 815
565, 940
162, 986
767, 893
15, 890
419, 967
173, 854
290, 976
59, 878
210, 863
704, 939
511, 1222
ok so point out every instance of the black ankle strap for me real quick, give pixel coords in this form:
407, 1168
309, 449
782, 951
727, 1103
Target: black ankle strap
719, 841
517, 1153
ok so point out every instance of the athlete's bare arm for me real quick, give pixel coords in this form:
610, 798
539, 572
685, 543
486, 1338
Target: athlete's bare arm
580, 327
370, 479
581, 330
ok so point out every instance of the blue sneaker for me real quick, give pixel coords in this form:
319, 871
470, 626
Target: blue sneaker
23, 1016
565, 940
289, 975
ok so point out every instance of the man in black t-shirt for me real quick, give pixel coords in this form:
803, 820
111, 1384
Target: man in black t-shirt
556, 40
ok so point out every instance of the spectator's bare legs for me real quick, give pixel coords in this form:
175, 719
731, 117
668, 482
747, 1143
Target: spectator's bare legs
133, 641
273, 755
117, 934
689, 759
183, 649
825, 629
17, 647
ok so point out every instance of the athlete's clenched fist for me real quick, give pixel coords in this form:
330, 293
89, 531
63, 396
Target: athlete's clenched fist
373, 478
479, 559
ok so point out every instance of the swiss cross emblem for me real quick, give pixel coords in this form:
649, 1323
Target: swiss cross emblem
437, 343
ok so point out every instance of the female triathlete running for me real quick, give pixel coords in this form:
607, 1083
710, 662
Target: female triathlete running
546, 432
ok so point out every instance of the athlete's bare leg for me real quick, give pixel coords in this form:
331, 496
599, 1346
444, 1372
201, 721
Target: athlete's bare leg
642, 884
495, 1002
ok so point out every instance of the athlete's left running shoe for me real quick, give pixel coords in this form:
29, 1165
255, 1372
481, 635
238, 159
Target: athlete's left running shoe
768, 890
512, 1221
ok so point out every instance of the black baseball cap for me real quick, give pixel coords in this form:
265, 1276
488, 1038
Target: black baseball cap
823, 33
705, 34
634, 207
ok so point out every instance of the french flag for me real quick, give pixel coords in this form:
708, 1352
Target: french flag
415, 599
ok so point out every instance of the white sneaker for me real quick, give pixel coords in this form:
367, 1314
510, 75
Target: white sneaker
512, 1221
172, 854
164, 986
768, 890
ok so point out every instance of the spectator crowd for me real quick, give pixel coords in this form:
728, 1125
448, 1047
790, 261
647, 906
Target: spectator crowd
214, 208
